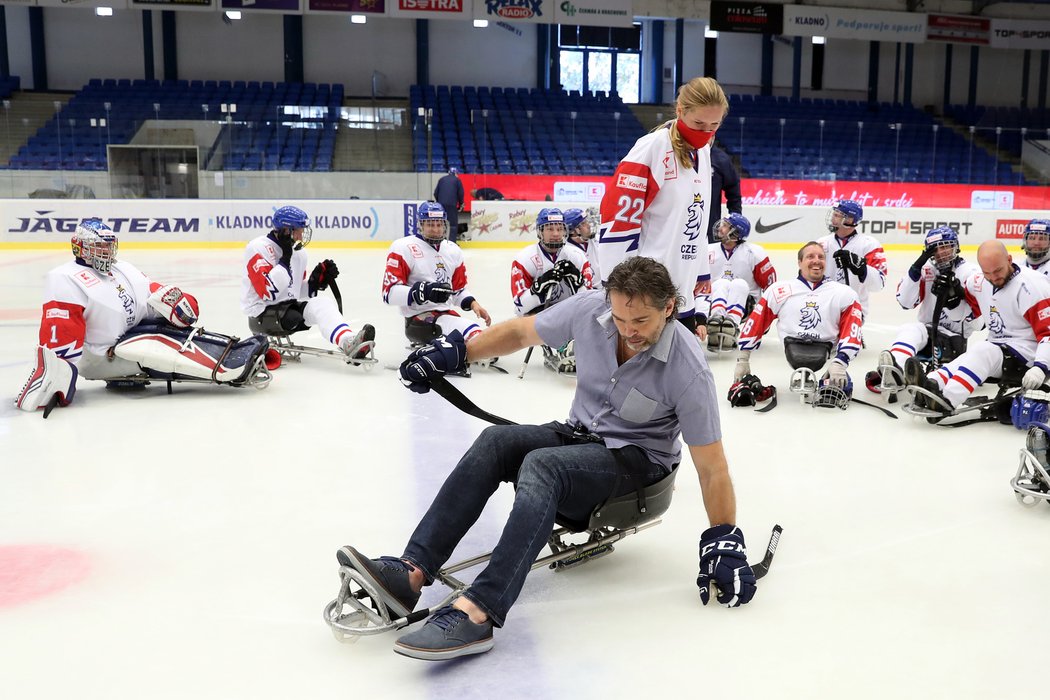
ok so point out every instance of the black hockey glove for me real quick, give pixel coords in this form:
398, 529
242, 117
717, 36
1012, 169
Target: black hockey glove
422, 292
723, 562
425, 364
324, 272
852, 262
916, 267
287, 245
947, 286
543, 285
570, 273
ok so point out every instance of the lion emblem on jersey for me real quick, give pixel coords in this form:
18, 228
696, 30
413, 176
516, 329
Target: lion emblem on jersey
996, 327
696, 214
440, 272
809, 317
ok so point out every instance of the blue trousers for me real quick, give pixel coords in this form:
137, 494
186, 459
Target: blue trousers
552, 473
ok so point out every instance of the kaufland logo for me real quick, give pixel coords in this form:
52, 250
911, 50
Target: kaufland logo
432, 5
515, 9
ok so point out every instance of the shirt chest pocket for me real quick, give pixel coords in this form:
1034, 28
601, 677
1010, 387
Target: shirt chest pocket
638, 408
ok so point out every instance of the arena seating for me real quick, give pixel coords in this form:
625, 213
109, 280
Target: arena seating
781, 138
288, 126
520, 130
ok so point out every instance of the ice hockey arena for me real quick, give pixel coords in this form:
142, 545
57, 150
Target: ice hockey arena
178, 539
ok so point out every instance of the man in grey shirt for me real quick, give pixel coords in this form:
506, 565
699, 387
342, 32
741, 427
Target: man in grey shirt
641, 381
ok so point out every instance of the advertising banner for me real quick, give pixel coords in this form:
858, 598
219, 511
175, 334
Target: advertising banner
515, 221
863, 25
783, 192
959, 29
195, 221
263, 5
600, 13
357, 7
195, 5
1020, 34
432, 9
751, 17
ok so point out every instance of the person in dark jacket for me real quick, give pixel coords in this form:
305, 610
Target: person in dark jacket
724, 179
449, 193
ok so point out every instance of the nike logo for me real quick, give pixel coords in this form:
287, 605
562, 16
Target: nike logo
761, 228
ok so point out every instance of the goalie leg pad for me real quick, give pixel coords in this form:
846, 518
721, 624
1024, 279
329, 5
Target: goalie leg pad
175, 353
51, 375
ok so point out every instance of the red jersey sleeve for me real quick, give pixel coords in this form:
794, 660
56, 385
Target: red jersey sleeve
632, 191
62, 328
764, 273
520, 280
397, 272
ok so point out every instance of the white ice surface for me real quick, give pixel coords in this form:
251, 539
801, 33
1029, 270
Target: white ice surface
199, 532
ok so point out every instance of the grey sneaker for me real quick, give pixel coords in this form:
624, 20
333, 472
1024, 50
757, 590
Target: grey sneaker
361, 345
389, 575
448, 634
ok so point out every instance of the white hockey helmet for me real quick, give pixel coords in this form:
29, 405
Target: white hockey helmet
94, 244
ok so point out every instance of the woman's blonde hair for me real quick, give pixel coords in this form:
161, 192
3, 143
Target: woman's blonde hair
698, 92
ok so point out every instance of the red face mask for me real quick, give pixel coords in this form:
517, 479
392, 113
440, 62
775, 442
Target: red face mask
694, 137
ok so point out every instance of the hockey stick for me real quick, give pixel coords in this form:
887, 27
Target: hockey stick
887, 411
938, 308
762, 567
458, 399
338, 297
528, 356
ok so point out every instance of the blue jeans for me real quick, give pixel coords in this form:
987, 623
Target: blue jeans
552, 473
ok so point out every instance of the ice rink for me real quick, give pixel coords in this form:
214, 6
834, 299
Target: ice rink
182, 546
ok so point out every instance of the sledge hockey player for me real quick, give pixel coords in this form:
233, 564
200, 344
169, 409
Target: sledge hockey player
860, 262
280, 298
740, 272
103, 319
547, 272
656, 204
426, 279
581, 235
817, 318
931, 283
1015, 304
1036, 245
569, 468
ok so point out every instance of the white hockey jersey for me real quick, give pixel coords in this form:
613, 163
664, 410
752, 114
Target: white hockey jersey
266, 282
658, 208
1042, 268
85, 311
870, 251
532, 262
746, 261
916, 293
1017, 314
825, 312
411, 260
590, 249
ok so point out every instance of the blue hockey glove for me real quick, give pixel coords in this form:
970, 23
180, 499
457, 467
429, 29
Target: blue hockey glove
422, 292
723, 561
424, 365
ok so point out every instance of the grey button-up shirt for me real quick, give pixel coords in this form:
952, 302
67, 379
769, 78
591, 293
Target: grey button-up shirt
648, 401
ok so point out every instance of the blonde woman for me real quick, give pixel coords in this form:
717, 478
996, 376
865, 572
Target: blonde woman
657, 204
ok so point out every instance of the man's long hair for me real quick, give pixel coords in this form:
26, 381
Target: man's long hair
645, 279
